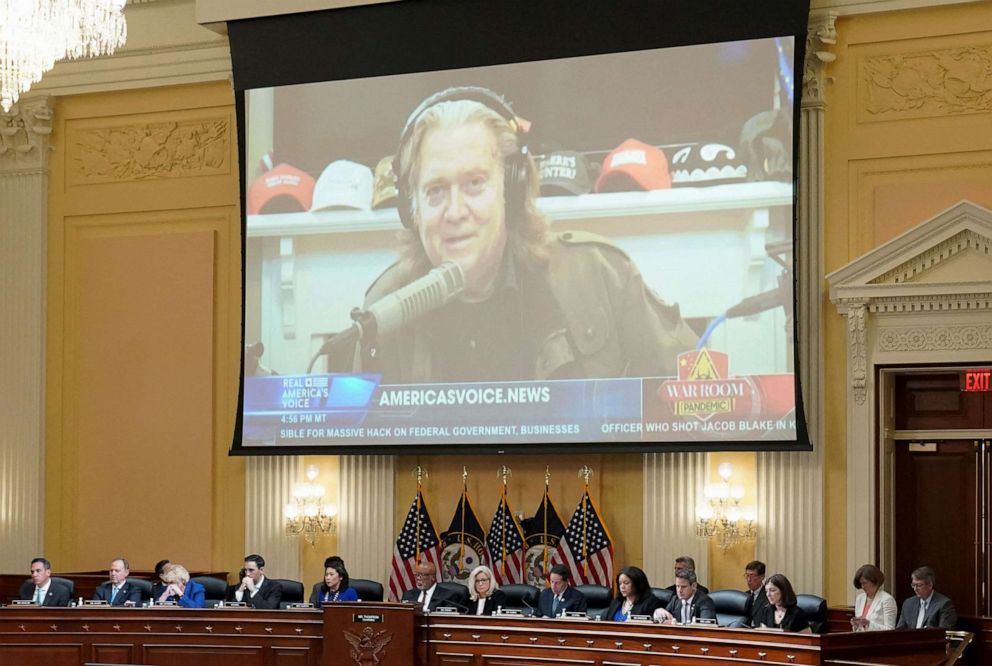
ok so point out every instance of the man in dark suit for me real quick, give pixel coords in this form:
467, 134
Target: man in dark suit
118, 591
428, 593
255, 589
561, 597
754, 576
686, 563
927, 608
689, 602
41, 589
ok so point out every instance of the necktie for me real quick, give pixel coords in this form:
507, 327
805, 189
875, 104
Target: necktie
554, 606
113, 595
921, 620
685, 612
37, 596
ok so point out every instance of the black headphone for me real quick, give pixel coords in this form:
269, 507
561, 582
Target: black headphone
517, 171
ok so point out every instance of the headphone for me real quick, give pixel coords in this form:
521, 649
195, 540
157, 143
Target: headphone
516, 168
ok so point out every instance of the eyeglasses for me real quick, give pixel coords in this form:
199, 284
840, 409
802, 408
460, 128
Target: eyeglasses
917, 586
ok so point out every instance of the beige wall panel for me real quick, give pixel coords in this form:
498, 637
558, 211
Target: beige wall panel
143, 351
896, 194
140, 314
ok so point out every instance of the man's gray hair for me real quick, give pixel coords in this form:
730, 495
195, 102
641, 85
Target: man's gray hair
925, 573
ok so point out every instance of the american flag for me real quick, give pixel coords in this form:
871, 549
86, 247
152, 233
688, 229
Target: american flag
506, 545
417, 542
586, 549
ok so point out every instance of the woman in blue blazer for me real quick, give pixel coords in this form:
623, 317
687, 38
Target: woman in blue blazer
179, 588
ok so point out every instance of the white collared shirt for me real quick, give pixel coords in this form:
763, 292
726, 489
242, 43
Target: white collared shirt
426, 595
239, 595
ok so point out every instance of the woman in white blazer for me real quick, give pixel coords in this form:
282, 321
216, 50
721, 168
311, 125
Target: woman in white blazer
874, 608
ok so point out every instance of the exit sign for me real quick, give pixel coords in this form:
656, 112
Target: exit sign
977, 380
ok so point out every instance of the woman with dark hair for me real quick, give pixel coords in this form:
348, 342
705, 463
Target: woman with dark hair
782, 611
634, 596
158, 587
335, 585
874, 608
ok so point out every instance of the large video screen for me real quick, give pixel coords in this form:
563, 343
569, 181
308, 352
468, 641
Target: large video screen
591, 251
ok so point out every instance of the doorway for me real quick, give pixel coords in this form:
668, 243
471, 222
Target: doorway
940, 437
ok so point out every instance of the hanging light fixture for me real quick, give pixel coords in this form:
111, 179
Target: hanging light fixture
34, 34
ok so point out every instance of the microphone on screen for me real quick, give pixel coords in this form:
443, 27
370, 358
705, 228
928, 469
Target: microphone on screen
400, 308
766, 300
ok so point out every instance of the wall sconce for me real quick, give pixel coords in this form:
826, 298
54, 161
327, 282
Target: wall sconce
723, 519
307, 514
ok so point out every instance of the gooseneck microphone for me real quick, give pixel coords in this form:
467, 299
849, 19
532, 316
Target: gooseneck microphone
399, 308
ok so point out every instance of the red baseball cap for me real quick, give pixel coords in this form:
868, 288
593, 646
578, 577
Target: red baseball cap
634, 165
283, 189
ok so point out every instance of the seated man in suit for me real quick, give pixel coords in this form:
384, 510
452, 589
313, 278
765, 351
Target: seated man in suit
427, 593
685, 563
255, 589
118, 591
927, 608
689, 602
561, 597
754, 577
41, 588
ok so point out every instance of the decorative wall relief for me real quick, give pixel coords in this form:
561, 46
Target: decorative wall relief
934, 338
154, 150
928, 84
24, 132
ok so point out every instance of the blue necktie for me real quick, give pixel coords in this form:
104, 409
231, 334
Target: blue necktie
113, 595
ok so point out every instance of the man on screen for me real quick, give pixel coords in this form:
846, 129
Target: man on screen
536, 304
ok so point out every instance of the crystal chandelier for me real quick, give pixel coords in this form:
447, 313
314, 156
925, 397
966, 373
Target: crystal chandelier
307, 514
723, 520
36, 33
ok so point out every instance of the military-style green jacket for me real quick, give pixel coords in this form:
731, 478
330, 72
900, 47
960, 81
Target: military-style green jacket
587, 314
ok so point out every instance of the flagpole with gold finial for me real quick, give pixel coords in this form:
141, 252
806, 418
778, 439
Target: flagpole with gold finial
547, 483
584, 473
461, 535
504, 473
420, 473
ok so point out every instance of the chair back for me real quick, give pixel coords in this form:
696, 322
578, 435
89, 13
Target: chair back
71, 584
368, 590
214, 589
663, 594
144, 586
292, 591
730, 606
597, 599
816, 611
460, 592
520, 596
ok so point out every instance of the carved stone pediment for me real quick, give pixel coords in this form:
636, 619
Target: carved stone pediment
944, 262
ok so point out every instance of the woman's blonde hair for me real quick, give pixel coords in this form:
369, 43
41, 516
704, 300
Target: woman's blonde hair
176, 573
493, 585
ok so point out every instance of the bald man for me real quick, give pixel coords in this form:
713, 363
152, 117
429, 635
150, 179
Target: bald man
428, 593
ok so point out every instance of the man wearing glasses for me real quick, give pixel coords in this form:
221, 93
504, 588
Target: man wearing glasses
928, 608
754, 578
427, 593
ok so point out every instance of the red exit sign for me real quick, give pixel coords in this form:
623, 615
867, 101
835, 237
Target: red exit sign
977, 380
